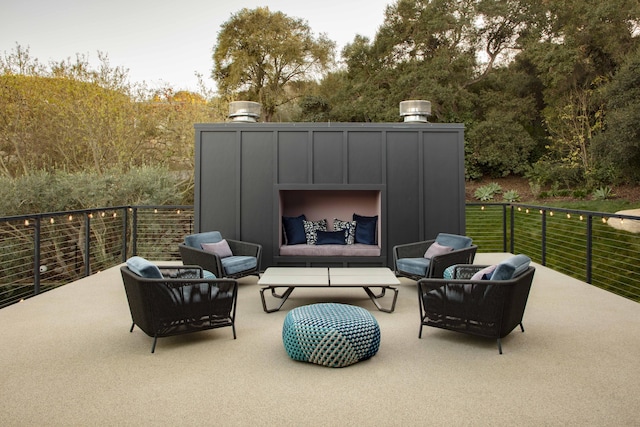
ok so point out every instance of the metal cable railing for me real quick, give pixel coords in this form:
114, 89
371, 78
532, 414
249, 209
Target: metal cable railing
581, 244
44, 251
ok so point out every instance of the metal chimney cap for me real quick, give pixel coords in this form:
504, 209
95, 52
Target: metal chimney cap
415, 110
245, 111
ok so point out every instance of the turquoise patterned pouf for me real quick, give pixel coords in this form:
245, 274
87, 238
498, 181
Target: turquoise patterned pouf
330, 334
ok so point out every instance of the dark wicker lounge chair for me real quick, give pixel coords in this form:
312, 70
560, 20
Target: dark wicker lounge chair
486, 308
409, 259
244, 259
173, 300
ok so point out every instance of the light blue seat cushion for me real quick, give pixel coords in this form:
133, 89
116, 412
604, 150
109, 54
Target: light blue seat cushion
196, 240
237, 264
144, 268
417, 266
453, 240
511, 267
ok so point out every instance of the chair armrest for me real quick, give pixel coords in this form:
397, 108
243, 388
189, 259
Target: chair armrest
207, 260
411, 250
245, 248
440, 263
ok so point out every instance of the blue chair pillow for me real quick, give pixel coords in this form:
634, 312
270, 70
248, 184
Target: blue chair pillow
144, 268
511, 267
453, 240
196, 240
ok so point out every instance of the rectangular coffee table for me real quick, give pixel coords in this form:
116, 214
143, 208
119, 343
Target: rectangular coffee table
322, 277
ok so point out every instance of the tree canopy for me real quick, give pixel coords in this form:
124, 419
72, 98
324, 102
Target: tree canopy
267, 57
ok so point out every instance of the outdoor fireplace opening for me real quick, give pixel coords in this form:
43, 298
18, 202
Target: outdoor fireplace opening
341, 204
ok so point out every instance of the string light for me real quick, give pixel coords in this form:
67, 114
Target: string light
26, 222
155, 211
604, 220
70, 217
52, 221
482, 208
178, 211
568, 216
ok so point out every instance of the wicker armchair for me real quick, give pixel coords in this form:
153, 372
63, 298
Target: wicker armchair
409, 259
173, 300
243, 260
487, 308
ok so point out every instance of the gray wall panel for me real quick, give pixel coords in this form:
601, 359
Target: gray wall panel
328, 157
403, 187
365, 157
293, 157
256, 195
442, 182
218, 171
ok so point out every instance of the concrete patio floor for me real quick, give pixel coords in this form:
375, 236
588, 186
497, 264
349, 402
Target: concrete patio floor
67, 358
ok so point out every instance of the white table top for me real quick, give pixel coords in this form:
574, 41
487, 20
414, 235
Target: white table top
322, 276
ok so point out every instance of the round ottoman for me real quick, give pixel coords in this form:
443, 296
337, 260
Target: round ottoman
330, 334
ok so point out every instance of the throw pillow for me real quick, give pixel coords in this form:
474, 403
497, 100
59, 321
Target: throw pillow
294, 229
221, 248
144, 268
330, 237
485, 273
436, 249
349, 229
310, 229
365, 229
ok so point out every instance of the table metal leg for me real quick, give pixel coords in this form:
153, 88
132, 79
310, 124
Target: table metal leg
282, 297
374, 297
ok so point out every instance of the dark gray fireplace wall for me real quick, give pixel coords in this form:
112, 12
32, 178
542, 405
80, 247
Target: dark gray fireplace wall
240, 167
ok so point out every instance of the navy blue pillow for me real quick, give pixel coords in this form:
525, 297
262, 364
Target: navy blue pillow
366, 229
330, 237
294, 229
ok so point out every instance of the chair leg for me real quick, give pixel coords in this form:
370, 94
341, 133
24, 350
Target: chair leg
499, 346
153, 347
420, 334
521, 327
132, 326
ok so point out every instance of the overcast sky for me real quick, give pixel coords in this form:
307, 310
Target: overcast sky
161, 41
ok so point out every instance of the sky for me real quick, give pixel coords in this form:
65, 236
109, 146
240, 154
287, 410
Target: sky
162, 42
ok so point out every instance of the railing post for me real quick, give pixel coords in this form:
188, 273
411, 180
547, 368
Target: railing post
125, 233
544, 236
87, 245
134, 232
36, 256
589, 247
511, 228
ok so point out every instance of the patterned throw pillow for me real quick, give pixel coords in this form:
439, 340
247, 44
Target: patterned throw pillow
349, 228
310, 228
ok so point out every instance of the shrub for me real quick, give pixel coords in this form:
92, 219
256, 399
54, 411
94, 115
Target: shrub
511, 196
487, 192
602, 193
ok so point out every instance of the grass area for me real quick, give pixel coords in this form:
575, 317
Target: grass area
560, 241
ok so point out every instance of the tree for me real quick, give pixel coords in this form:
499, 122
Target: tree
619, 145
266, 56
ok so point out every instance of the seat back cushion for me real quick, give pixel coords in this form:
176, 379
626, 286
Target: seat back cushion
220, 248
453, 240
511, 267
144, 268
196, 240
